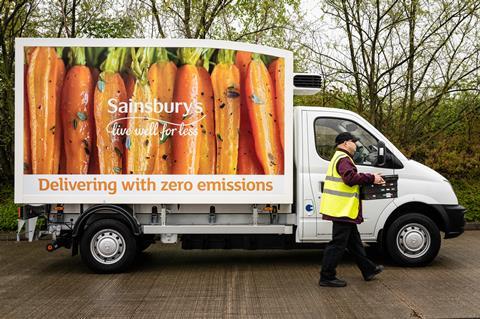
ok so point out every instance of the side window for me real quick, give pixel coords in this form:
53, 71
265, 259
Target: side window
326, 129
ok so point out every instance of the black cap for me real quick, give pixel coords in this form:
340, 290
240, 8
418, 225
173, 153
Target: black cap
343, 137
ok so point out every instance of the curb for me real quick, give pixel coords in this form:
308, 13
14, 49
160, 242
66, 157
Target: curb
472, 226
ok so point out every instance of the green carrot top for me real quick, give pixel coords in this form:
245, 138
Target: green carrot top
161, 55
189, 55
142, 59
115, 60
205, 58
94, 55
76, 56
226, 56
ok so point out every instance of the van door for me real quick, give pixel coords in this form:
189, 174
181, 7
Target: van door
322, 130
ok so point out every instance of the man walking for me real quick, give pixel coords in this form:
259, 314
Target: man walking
341, 204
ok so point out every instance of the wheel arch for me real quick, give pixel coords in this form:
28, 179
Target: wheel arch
434, 212
122, 213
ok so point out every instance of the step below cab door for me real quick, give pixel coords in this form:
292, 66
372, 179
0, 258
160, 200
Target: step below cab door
322, 127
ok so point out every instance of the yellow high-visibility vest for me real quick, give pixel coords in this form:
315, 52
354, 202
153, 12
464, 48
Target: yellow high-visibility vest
339, 199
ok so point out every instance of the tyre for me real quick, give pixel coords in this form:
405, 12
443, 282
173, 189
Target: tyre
413, 240
108, 246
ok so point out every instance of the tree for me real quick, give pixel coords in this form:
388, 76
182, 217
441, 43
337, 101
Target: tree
243, 20
402, 58
15, 16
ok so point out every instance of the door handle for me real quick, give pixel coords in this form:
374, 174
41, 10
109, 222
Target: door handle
321, 186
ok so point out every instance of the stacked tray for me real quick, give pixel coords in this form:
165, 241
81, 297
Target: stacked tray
384, 191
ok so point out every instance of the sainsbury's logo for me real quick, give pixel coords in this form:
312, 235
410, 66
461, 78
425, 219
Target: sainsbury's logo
191, 114
132, 107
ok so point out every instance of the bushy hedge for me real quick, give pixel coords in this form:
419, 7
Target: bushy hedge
468, 193
8, 210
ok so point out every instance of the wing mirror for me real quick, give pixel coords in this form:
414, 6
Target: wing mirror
381, 154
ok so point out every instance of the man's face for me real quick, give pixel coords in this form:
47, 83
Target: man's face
350, 146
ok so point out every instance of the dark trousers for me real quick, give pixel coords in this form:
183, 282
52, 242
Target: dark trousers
345, 235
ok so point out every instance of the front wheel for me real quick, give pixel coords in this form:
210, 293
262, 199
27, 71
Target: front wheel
108, 246
413, 240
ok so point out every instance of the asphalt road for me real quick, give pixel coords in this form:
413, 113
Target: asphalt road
169, 282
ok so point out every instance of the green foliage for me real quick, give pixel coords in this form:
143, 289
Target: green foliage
468, 191
8, 210
449, 143
109, 27
330, 98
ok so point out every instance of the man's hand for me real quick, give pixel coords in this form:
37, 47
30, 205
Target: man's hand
378, 179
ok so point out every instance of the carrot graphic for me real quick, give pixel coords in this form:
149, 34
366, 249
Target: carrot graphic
226, 89
44, 83
110, 86
27, 155
186, 147
207, 127
77, 113
161, 76
142, 143
248, 163
92, 57
277, 73
260, 102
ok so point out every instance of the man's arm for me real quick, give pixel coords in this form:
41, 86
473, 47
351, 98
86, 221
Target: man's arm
350, 175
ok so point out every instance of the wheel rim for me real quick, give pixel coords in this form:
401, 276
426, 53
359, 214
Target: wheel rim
107, 246
413, 240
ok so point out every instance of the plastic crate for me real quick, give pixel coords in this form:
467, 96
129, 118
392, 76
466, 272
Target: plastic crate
384, 191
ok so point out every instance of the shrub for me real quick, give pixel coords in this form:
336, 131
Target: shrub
468, 191
8, 210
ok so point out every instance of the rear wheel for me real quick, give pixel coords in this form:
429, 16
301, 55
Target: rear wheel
413, 240
108, 246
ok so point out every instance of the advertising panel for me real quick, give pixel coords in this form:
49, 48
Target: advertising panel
152, 121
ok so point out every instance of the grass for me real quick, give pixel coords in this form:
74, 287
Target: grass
467, 190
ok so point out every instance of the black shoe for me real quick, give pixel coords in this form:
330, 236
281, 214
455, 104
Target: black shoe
376, 271
332, 283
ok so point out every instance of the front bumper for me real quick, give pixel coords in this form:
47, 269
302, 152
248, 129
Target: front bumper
454, 218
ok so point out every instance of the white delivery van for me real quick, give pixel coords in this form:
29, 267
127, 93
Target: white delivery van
114, 164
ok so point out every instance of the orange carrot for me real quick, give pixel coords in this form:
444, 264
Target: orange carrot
260, 101
186, 139
226, 89
248, 163
277, 73
77, 106
110, 86
161, 76
27, 155
207, 125
142, 142
28, 54
44, 83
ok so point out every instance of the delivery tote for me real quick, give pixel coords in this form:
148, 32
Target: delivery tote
383, 191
